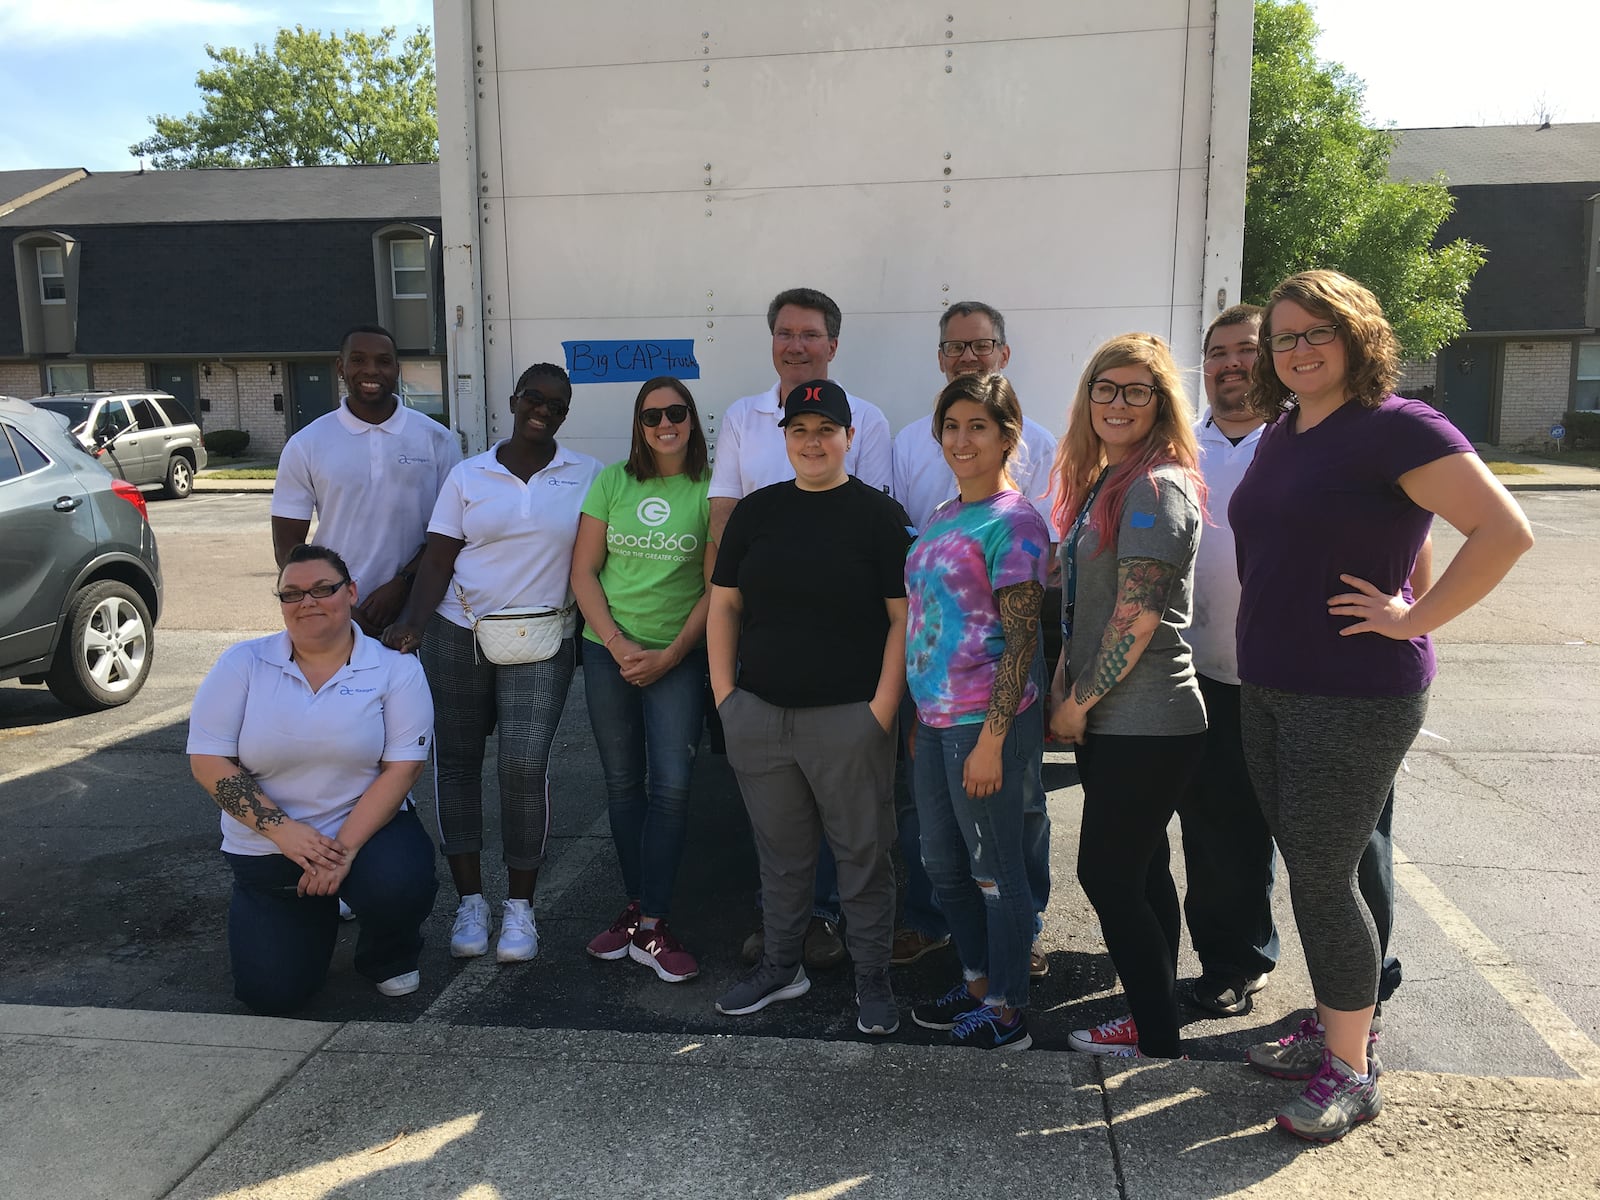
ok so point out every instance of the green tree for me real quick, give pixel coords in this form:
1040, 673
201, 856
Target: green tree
308, 99
1317, 190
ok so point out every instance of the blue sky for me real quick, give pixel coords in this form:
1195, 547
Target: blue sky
80, 78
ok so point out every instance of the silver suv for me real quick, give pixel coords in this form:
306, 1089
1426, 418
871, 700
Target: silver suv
147, 438
80, 583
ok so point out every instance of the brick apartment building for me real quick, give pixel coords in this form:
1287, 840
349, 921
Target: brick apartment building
227, 288
1530, 195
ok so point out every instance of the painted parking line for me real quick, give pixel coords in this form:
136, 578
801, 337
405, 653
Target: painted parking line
480, 974
1565, 1039
83, 749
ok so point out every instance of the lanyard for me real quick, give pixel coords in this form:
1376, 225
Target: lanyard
1069, 559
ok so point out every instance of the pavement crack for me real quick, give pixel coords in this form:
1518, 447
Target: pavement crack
1111, 1132
1502, 867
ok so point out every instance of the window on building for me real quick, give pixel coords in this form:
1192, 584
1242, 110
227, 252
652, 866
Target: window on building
1586, 393
408, 265
422, 387
66, 377
52, 275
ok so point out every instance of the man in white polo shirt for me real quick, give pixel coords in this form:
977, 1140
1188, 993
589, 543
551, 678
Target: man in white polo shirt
369, 472
972, 341
750, 452
750, 455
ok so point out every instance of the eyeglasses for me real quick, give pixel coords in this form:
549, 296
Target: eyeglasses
1137, 395
1317, 335
553, 403
320, 591
980, 347
809, 338
676, 413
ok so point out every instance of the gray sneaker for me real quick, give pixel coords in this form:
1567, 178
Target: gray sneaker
876, 1011
1299, 1056
765, 985
1333, 1104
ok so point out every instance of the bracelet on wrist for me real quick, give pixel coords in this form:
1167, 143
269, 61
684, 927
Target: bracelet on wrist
615, 634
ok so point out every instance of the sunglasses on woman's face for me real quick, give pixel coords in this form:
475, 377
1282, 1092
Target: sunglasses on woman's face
676, 413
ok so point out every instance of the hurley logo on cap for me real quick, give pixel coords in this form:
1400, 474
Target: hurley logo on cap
821, 396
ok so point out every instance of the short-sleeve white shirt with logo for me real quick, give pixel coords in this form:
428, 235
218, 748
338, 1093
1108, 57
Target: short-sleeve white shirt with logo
518, 536
371, 487
313, 753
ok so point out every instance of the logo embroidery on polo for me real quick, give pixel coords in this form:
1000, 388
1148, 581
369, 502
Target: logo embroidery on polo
653, 511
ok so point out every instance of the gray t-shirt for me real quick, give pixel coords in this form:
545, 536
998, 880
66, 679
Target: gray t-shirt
1160, 696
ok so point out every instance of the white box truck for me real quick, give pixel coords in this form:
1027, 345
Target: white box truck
627, 183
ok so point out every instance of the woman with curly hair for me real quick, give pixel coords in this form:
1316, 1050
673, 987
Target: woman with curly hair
1334, 654
1131, 505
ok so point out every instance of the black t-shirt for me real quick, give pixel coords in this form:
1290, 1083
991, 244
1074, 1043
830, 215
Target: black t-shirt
813, 570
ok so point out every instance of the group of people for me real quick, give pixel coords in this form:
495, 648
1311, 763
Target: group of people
1243, 603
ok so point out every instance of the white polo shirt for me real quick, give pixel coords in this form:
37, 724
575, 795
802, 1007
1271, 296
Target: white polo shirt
313, 753
923, 480
1212, 633
371, 487
518, 536
751, 452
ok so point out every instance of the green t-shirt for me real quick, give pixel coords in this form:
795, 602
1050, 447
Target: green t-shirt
655, 550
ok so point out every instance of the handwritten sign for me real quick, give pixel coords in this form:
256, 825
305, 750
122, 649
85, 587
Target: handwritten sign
630, 362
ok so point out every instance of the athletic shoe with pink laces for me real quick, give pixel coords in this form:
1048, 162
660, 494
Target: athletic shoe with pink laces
662, 953
1105, 1039
612, 944
1299, 1056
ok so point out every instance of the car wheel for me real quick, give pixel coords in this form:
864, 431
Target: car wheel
180, 478
105, 651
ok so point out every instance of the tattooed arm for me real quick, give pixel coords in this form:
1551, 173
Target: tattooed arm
1019, 604
1144, 586
239, 795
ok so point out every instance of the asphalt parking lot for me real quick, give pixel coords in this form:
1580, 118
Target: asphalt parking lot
112, 892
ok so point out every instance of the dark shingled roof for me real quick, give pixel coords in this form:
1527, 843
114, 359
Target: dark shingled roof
16, 184
361, 193
1483, 154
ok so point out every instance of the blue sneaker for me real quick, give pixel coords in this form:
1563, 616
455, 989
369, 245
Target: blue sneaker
947, 1011
984, 1029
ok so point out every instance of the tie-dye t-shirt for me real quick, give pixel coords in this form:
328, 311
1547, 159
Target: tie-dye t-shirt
954, 639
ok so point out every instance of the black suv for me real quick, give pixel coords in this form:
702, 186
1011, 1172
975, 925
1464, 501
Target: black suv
147, 438
80, 582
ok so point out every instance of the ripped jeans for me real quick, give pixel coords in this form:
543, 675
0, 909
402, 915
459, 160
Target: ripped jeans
973, 849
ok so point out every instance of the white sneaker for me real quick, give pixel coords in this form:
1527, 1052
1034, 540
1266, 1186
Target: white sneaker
344, 911
401, 985
469, 936
519, 940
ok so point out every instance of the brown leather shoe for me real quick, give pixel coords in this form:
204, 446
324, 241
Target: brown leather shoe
912, 944
823, 947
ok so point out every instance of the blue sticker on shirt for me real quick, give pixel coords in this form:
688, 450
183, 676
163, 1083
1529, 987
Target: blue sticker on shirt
1142, 520
1030, 549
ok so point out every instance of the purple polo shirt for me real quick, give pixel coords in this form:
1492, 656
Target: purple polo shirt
1319, 504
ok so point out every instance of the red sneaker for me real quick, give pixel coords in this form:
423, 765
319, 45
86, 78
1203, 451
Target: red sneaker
613, 943
1105, 1039
662, 953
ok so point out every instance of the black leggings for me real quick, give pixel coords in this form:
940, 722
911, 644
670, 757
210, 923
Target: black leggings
1131, 788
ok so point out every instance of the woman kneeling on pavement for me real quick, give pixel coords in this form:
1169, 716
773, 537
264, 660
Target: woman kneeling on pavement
1334, 654
309, 741
1132, 502
639, 573
808, 613
975, 580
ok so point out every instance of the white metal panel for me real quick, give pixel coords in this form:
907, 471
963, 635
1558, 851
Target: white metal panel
535, 36
1041, 107
1033, 243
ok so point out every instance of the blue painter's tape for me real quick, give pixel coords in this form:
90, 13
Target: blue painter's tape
1030, 549
631, 362
1142, 520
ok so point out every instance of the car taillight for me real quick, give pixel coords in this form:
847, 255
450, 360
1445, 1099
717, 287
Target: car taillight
132, 495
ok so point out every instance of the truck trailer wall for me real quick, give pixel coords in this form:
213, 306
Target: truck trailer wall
640, 172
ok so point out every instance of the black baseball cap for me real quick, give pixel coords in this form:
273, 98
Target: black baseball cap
818, 396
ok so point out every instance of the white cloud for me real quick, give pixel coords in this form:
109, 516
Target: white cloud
28, 21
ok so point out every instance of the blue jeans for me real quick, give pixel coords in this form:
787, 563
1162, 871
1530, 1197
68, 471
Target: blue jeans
973, 850
280, 943
642, 734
